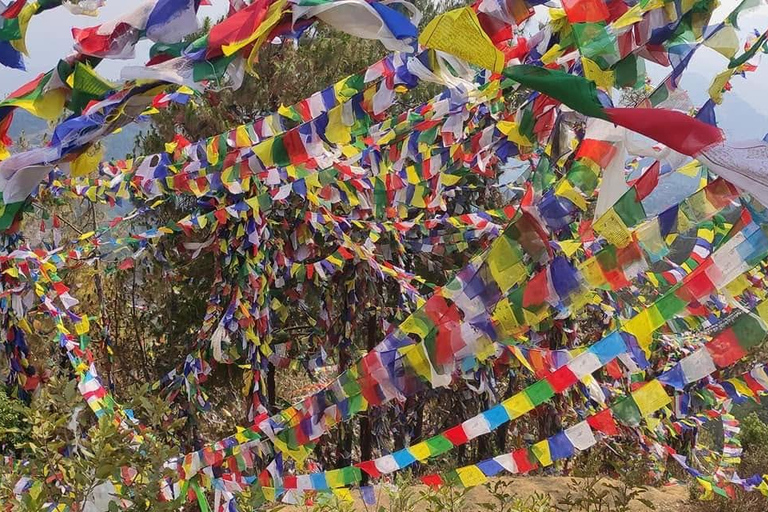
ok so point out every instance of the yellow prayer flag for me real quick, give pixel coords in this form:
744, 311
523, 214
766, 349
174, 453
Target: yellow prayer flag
87, 162
29, 10
300, 454
417, 360
707, 489
741, 388
762, 310
334, 478
459, 33
420, 451
552, 54
738, 285
566, 190
263, 151
613, 229
242, 139
269, 493
274, 13
718, 84
83, 326
651, 397
603, 79
449, 179
569, 247
541, 451
557, 19
592, 273
725, 41
517, 405
344, 495
505, 316
471, 476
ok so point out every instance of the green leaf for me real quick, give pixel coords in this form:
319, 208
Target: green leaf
105, 471
647, 503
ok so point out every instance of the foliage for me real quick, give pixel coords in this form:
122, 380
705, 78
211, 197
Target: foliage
13, 430
399, 498
616, 461
741, 501
505, 499
595, 495
151, 315
447, 497
754, 441
81, 455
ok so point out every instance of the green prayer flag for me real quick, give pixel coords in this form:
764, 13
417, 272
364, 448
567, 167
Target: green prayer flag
659, 95
211, 69
8, 213
10, 30
543, 176
749, 331
630, 209
583, 177
670, 304
576, 92
280, 153
539, 392
597, 43
438, 445
738, 61
626, 411
626, 71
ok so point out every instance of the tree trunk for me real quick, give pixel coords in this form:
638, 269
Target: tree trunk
271, 389
366, 427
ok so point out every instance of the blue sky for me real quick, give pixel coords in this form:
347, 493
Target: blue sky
743, 114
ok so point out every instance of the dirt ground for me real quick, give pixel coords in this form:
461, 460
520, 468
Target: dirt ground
668, 499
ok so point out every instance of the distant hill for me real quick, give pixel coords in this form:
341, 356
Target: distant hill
33, 128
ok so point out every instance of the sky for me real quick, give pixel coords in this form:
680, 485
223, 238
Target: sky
49, 39
743, 114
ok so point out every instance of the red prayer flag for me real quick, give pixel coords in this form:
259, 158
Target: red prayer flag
536, 291
369, 467
674, 129
755, 386
14, 9
647, 182
432, 480
603, 422
613, 369
456, 435
725, 349
586, 11
562, 379
697, 286
523, 461
237, 27
91, 42
599, 151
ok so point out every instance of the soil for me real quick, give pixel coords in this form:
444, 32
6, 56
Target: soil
670, 498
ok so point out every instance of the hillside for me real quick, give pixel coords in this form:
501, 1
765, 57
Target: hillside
117, 145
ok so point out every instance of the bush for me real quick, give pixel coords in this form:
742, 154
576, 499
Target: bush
754, 441
14, 431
